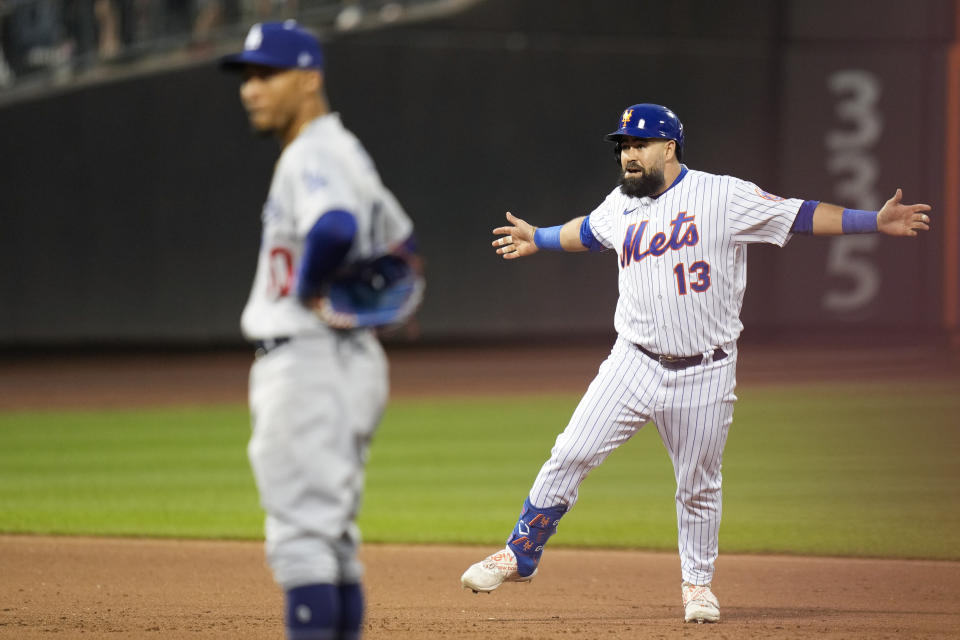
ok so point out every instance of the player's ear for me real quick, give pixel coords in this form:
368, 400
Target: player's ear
312, 80
672, 150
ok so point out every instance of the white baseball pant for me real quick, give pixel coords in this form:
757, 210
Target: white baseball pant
693, 410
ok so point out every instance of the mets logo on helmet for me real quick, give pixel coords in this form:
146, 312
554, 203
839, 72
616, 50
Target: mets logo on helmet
625, 119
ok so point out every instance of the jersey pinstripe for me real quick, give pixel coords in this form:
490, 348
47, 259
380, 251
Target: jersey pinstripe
683, 257
324, 168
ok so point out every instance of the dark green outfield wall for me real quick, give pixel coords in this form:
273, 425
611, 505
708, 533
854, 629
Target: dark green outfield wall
130, 211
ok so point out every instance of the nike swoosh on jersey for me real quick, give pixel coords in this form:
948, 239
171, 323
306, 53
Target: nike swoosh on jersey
629, 211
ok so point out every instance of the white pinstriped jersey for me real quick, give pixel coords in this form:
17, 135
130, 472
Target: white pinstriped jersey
683, 258
323, 169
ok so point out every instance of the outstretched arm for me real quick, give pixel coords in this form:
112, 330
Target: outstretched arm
520, 238
894, 219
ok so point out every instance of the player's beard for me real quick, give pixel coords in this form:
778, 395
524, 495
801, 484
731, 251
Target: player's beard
649, 183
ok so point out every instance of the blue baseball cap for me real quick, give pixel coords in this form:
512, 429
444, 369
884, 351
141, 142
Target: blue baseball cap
281, 45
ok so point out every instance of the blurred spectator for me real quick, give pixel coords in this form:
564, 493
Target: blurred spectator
275, 9
350, 15
176, 18
80, 26
35, 36
354, 13
108, 24
210, 15
54, 39
6, 73
94, 28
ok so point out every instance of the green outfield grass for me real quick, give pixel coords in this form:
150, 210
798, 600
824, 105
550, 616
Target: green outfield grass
839, 470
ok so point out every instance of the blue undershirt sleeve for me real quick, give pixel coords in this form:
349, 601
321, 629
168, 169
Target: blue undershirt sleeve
587, 238
325, 247
803, 223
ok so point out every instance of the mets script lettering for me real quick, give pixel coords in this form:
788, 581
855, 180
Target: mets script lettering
659, 244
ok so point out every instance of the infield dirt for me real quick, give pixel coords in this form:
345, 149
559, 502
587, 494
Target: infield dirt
140, 589
72, 587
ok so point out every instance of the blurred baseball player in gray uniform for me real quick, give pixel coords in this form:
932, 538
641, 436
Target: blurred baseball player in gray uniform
681, 237
336, 260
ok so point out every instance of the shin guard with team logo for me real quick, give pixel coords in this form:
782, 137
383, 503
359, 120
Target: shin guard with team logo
531, 533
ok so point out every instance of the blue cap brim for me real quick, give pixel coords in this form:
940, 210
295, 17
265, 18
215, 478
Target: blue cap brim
238, 61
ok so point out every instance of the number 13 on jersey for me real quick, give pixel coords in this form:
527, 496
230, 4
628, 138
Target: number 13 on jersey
699, 277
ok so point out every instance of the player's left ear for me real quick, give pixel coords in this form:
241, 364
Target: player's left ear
312, 80
670, 149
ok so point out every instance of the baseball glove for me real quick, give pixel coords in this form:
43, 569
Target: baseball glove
382, 292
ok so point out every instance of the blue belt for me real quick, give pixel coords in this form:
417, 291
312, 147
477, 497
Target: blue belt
677, 363
263, 347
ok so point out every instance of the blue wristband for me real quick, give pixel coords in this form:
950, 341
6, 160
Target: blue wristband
858, 221
548, 238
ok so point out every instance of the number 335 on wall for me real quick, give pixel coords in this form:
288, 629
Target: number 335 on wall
851, 158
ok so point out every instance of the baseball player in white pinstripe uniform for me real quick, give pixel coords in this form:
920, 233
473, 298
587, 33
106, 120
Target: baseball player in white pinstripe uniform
681, 238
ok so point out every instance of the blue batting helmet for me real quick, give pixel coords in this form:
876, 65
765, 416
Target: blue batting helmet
649, 121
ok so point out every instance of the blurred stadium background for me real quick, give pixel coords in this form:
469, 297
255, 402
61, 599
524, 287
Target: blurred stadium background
130, 198
131, 189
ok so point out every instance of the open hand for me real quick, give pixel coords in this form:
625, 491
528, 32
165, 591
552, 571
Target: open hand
516, 240
898, 219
